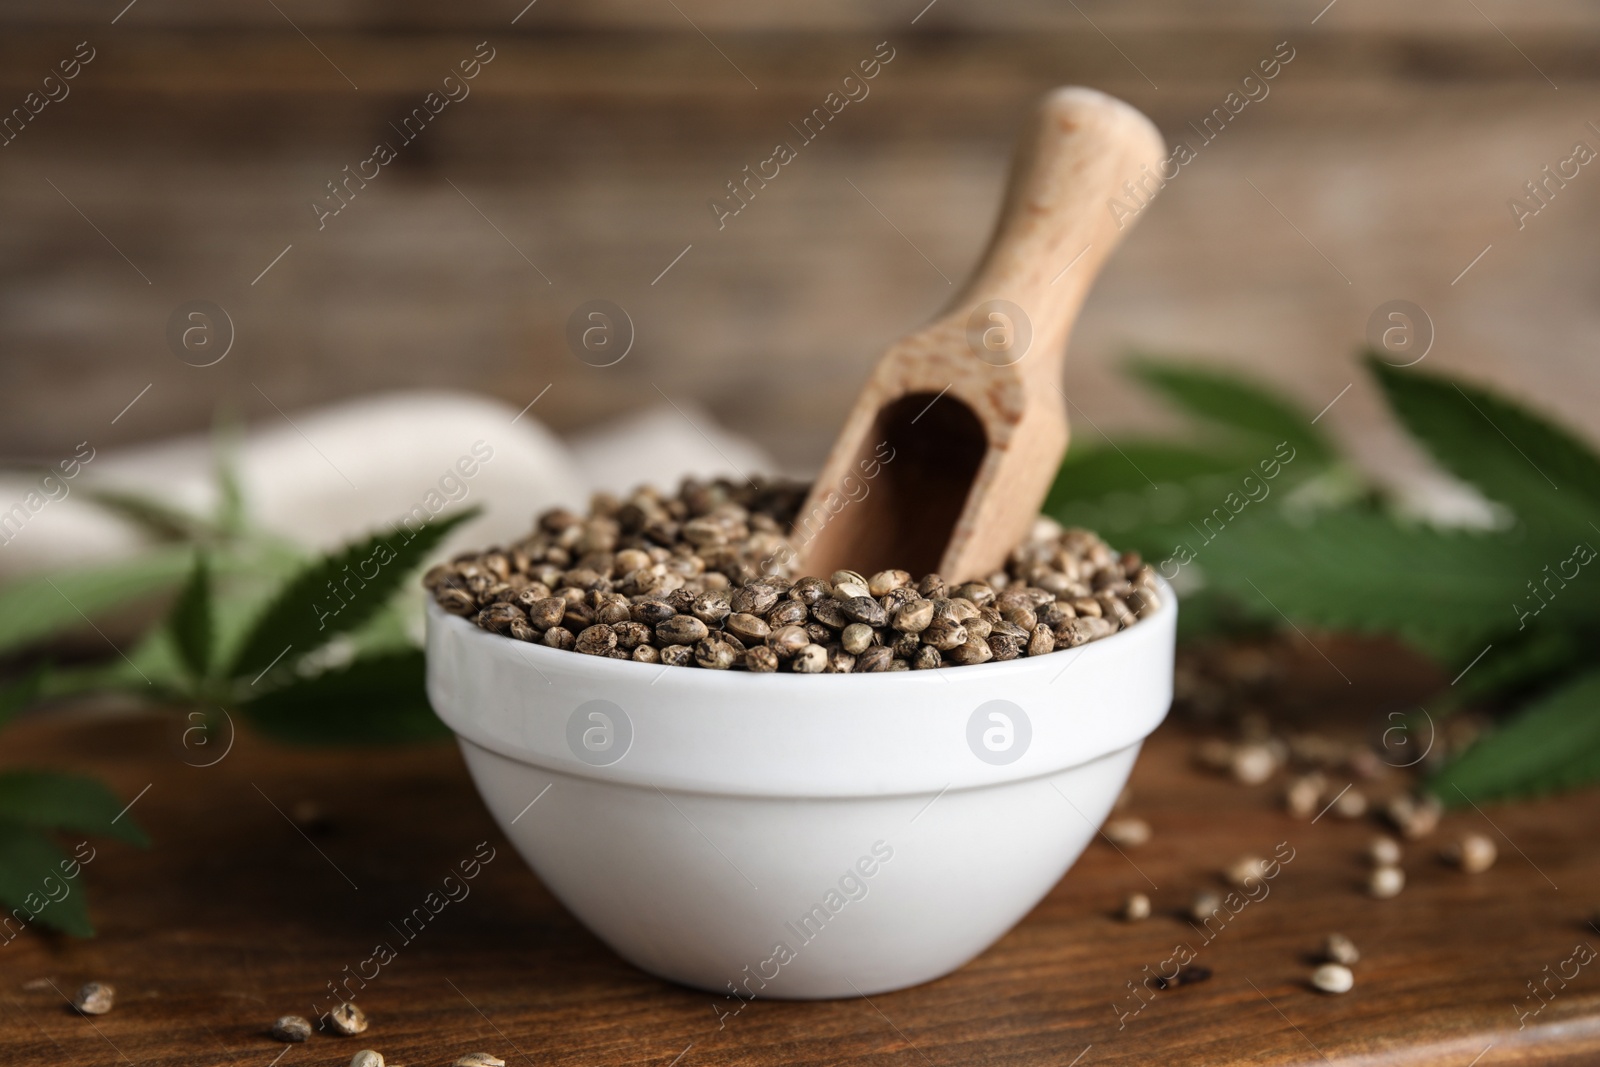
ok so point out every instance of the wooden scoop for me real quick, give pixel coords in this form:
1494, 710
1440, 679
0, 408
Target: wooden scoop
958, 433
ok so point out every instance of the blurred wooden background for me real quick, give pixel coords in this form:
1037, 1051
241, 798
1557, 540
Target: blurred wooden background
195, 141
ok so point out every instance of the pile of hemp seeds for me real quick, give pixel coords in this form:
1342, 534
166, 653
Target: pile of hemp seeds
702, 579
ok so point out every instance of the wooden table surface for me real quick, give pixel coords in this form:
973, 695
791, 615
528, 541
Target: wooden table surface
235, 916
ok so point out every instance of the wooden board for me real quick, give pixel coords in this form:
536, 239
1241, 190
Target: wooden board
236, 916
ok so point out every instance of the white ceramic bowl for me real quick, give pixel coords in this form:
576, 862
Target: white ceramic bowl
799, 836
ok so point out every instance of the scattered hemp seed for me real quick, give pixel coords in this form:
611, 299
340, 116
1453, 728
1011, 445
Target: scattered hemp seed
1126, 832
1351, 804
1304, 795
480, 1059
348, 1020
1414, 817
1364, 763
1203, 905
1243, 869
1252, 764
367, 1058
291, 1028
1384, 852
1340, 949
701, 578
95, 998
1187, 975
1386, 882
1474, 853
1136, 908
1333, 978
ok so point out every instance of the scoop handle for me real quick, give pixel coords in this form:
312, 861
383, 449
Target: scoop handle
1083, 171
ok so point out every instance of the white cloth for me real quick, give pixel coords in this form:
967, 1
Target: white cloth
340, 472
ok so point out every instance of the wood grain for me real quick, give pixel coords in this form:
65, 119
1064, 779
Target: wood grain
235, 917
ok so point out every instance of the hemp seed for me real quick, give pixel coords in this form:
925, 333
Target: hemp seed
348, 1020
480, 1059
1252, 764
367, 1058
682, 630
830, 613
292, 1028
596, 640
1088, 629
1304, 795
810, 590
885, 582
751, 629
973, 650
1385, 882
456, 601
864, 609
760, 660
1384, 852
877, 658
810, 659
95, 998
914, 617
945, 634
685, 579
1242, 870
1414, 817
789, 613
788, 640
652, 611
1136, 908
1350, 804
715, 653
1203, 905
1188, 974
843, 591
1126, 832
856, 638
497, 618
1333, 978
1340, 949
753, 599
1473, 853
